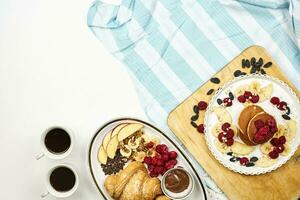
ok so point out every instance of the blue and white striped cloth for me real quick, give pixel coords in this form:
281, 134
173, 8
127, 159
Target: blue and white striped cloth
171, 47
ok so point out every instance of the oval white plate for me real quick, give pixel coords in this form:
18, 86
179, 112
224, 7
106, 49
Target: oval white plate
281, 90
99, 177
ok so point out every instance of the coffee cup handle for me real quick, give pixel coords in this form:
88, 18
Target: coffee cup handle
39, 156
45, 194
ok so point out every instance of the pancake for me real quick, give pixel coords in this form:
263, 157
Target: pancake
252, 130
245, 116
245, 139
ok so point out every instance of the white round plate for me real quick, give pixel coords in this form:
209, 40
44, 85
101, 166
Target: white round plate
281, 90
99, 177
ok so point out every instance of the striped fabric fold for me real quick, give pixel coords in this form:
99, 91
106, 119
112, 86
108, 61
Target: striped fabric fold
172, 47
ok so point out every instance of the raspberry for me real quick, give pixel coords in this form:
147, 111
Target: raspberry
273, 154
200, 128
258, 138
279, 149
202, 105
161, 148
247, 94
222, 137
263, 131
259, 124
274, 129
275, 100
282, 140
271, 122
254, 98
227, 101
172, 154
154, 161
244, 161
149, 145
153, 174
242, 99
169, 165
229, 134
158, 170
148, 160
229, 142
275, 142
150, 168
165, 157
225, 126
158, 148
173, 162
282, 105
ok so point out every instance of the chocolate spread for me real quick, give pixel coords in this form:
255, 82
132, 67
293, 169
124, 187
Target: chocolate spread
177, 181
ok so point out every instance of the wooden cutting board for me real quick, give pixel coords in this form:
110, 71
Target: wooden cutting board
283, 183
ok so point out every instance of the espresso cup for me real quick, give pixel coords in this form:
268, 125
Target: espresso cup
56, 143
61, 181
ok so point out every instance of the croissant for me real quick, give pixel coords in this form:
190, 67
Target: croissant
133, 183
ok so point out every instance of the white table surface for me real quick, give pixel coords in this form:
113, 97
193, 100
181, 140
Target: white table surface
53, 71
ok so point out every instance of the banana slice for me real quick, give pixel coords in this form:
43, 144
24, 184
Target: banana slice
223, 148
282, 131
216, 129
292, 128
265, 92
240, 90
254, 87
241, 149
139, 156
126, 151
266, 148
222, 114
286, 151
265, 161
134, 143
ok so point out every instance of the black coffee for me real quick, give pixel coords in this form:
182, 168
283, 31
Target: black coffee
57, 141
62, 179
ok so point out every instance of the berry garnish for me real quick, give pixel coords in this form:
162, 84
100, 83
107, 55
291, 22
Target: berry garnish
279, 149
172, 154
275, 100
225, 127
148, 160
229, 141
247, 94
282, 140
254, 98
227, 102
271, 122
274, 154
244, 161
229, 134
202, 105
275, 142
222, 137
282, 105
274, 129
242, 99
259, 123
200, 128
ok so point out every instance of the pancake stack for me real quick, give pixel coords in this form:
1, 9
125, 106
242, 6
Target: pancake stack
256, 126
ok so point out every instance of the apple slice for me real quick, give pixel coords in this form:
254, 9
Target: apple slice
106, 140
128, 130
112, 147
102, 155
117, 129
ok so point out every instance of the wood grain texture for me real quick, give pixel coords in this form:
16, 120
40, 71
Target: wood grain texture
283, 183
